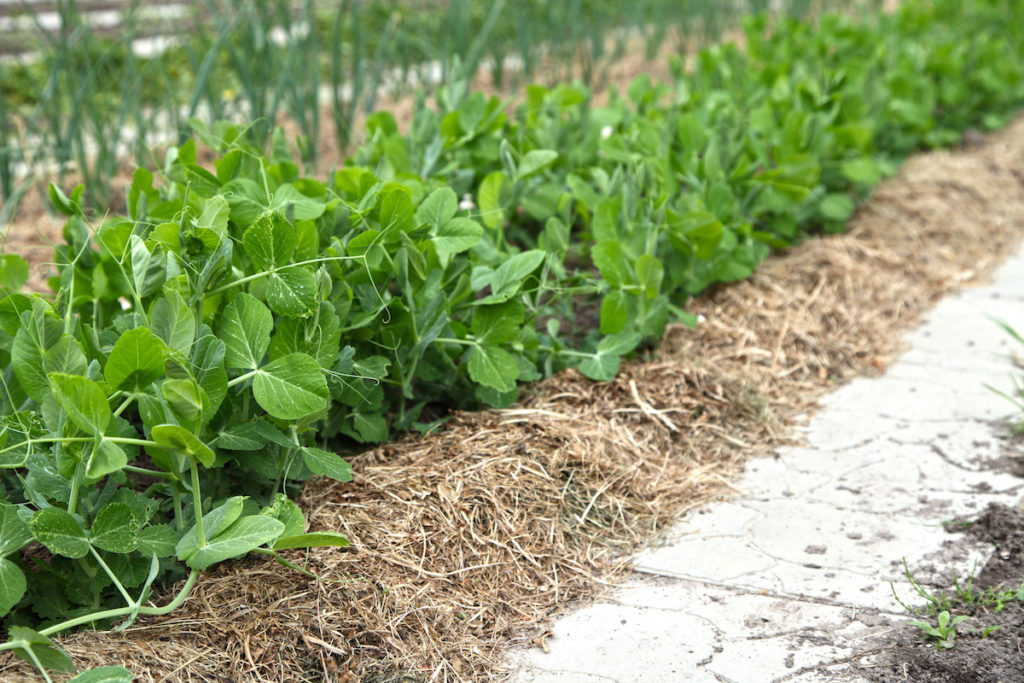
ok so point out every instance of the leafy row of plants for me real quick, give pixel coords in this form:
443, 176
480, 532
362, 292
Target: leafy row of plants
242, 324
84, 97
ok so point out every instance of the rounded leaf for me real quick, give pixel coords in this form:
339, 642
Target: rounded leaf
326, 463
245, 330
136, 361
12, 585
59, 532
182, 441
291, 387
115, 529
82, 400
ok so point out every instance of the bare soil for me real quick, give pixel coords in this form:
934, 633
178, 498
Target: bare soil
997, 657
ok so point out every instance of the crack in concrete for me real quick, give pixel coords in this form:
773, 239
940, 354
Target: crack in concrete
931, 420
945, 456
807, 631
836, 662
767, 592
719, 631
567, 672
823, 567
719, 677
843, 449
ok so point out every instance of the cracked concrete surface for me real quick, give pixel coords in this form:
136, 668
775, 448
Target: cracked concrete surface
789, 581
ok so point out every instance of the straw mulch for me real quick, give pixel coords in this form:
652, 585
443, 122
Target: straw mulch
467, 541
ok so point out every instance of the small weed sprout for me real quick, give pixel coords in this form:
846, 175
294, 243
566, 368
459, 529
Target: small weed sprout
944, 633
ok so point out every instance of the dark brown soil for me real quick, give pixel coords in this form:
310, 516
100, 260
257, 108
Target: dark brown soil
974, 658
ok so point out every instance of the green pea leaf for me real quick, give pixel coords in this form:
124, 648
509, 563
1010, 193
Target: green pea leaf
396, 213
59, 532
252, 436
44, 650
291, 387
247, 198
438, 208
82, 400
136, 361
184, 398
173, 321
650, 273
39, 331
61, 202
614, 312
11, 308
863, 170
292, 292
370, 427
104, 674
65, 356
493, 367
115, 529
535, 161
180, 440
149, 269
326, 463
270, 241
12, 585
619, 344
288, 513
298, 207
158, 540
489, 199
604, 365
214, 522
612, 262
14, 533
208, 366
245, 535
498, 323
317, 539
510, 275
458, 235
13, 272
214, 217
837, 207
106, 458
245, 330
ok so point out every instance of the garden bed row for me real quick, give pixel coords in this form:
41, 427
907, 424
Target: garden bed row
242, 324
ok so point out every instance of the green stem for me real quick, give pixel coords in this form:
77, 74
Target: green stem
113, 577
265, 273
149, 473
197, 505
76, 484
78, 439
451, 340
113, 614
567, 352
127, 402
176, 494
242, 378
27, 647
130, 442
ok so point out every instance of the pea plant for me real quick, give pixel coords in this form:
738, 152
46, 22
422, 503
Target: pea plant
241, 325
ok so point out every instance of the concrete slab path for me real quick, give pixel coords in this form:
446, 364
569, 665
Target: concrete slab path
790, 581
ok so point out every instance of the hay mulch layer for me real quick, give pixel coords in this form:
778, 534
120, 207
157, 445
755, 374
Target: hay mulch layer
467, 541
